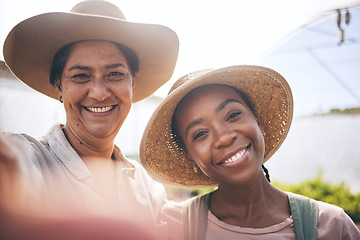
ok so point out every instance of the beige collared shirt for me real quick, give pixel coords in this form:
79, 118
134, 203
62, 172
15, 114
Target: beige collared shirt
48, 175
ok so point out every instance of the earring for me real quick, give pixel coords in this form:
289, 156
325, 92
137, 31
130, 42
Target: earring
195, 167
263, 132
60, 99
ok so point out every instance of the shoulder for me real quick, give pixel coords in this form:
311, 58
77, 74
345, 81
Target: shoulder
186, 217
20, 145
330, 210
24, 141
176, 210
333, 221
325, 210
16, 138
332, 214
31, 150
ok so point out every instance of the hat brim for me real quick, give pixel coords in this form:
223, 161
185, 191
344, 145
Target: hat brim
31, 45
268, 92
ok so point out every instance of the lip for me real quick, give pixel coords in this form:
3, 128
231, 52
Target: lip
237, 158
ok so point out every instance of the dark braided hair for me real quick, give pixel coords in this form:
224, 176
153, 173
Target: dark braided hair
267, 175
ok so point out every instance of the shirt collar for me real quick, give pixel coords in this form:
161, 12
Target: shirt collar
67, 155
63, 150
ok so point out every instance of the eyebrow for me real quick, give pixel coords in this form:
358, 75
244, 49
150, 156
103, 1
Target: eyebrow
192, 124
219, 108
114, 65
80, 67
225, 103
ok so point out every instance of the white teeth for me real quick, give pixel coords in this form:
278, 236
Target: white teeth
99, 109
236, 157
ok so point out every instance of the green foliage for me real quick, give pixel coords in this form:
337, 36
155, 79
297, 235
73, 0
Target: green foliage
204, 191
338, 195
345, 111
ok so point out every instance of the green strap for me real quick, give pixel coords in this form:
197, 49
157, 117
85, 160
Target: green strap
305, 215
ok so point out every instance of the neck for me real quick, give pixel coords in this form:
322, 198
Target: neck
91, 147
246, 194
256, 204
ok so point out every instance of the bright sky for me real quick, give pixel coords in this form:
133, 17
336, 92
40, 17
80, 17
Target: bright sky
212, 33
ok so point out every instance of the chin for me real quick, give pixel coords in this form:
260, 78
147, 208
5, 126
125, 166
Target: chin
103, 133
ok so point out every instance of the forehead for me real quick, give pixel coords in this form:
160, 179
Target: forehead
204, 100
209, 92
99, 50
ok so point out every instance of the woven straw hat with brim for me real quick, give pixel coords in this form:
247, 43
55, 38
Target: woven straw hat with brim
269, 94
30, 46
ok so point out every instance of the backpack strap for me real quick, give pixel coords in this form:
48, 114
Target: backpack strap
195, 212
305, 216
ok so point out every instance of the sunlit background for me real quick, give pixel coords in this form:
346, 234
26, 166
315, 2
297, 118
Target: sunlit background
315, 47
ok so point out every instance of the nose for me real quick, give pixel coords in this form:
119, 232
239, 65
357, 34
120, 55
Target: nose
99, 90
223, 136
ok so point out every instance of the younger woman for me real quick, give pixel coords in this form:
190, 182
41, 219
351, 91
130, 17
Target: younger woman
218, 128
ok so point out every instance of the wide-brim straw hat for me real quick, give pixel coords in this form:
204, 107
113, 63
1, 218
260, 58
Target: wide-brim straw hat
269, 94
31, 45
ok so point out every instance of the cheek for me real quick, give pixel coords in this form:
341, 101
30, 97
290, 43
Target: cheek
124, 90
73, 95
200, 153
71, 92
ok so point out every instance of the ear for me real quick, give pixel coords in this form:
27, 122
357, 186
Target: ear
133, 85
261, 130
58, 88
188, 156
191, 159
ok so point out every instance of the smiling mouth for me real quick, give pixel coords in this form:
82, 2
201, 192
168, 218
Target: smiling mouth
236, 157
100, 109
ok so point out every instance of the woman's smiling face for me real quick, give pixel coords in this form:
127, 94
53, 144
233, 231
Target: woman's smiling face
96, 89
221, 134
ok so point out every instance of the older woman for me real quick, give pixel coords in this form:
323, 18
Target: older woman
96, 63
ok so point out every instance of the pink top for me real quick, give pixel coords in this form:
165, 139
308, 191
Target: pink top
217, 229
333, 224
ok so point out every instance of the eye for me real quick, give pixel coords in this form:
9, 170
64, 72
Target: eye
233, 116
199, 134
81, 77
115, 76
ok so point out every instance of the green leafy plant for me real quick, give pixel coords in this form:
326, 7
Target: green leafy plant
338, 195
